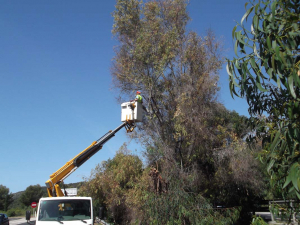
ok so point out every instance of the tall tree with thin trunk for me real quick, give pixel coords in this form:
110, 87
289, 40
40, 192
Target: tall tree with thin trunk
185, 131
176, 71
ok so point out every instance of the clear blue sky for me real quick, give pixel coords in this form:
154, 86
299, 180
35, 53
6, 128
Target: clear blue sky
55, 96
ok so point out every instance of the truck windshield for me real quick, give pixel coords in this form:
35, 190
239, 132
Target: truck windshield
64, 210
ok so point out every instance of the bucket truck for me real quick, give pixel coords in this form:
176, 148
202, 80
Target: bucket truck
58, 208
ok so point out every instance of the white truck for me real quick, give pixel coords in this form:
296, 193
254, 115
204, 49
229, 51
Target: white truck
58, 208
65, 210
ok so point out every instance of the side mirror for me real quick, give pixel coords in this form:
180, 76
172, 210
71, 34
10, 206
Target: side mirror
28, 213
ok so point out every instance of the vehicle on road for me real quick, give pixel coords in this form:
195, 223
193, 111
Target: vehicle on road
70, 210
4, 219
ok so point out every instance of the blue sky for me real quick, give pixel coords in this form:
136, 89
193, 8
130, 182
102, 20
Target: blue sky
55, 82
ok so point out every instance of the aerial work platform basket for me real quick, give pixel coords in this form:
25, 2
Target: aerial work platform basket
132, 111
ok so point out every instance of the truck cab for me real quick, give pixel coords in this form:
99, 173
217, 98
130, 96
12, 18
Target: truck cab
65, 210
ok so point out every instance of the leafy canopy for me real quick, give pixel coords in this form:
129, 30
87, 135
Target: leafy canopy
110, 182
33, 193
188, 135
265, 71
6, 198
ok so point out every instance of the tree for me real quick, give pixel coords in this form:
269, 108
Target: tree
110, 182
6, 198
33, 193
185, 128
267, 75
176, 71
174, 206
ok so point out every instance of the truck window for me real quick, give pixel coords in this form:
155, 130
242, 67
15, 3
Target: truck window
64, 210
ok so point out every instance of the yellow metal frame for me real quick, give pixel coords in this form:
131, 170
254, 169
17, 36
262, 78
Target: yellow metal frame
57, 177
130, 125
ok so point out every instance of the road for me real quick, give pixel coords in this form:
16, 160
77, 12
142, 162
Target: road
20, 221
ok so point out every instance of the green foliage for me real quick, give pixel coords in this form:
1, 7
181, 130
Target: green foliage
267, 75
11, 213
176, 72
110, 182
257, 220
33, 193
284, 211
6, 198
188, 135
15, 212
178, 206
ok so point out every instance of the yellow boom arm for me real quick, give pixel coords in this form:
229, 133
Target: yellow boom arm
62, 173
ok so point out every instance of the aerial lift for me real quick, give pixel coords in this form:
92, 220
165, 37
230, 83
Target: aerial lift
58, 207
56, 178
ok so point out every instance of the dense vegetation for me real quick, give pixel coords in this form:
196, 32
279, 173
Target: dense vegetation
267, 74
6, 198
196, 155
16, 204
198, 167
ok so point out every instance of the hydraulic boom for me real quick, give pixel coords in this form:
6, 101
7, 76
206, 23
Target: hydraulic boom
75, 210
53, 183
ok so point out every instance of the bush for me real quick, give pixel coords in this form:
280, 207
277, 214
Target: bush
15, 212
257, 220
11, 212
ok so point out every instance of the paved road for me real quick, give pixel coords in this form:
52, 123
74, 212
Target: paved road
20, 221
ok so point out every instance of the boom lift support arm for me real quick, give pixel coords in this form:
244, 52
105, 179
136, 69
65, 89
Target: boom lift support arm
52, 184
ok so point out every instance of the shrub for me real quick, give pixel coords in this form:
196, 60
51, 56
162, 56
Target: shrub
258, 221
11, 212
15, 212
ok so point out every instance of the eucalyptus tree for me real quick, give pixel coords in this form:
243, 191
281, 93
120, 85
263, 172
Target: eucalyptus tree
265, 71
185, 130
176, 71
